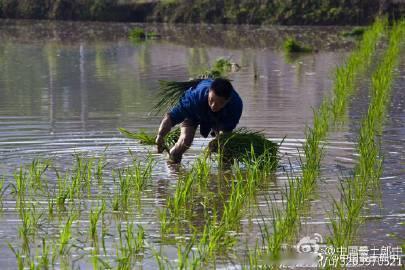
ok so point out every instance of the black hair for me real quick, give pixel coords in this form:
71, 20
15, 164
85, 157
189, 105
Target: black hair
222, 87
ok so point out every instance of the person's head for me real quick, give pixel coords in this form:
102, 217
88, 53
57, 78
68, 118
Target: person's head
219, 94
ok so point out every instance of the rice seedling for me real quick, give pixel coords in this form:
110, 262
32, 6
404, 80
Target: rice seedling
82, 177
161, 260
356, 64
51, 206
44, 260
36, 171
293, 46
141, 174
63, 190
252, 261
300, 189
219, 236
101, 165
3, 189
20, 186
94, 218
104, 226
241, 144
346, 213
130, 245
19, 256
65, 236
132, 181
183, 255
31, 222
124, 194
148, 139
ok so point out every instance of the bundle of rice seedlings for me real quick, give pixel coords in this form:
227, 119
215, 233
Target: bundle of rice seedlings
355, 32
292, 46
137, 34
222, 65
148, 139
245, 145
171, 92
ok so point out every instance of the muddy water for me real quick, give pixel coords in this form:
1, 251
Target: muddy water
66, 87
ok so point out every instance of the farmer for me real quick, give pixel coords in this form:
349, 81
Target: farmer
212, 104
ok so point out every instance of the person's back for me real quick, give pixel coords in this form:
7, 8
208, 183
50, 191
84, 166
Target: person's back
212, 104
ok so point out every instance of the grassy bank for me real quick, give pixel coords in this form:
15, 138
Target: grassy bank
207, 11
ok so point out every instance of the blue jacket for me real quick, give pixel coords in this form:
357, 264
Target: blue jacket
194, 105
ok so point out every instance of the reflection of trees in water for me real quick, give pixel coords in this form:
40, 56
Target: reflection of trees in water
232, 37
21, 79
197, 61
144, 59
50, 50
229, 36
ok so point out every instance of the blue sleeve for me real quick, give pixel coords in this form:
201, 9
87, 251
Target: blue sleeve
188, 106
183, 109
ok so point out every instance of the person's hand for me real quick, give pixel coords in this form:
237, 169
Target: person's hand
160, 142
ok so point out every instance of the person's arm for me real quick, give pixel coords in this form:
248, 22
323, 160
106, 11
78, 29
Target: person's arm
165, 127
172, 118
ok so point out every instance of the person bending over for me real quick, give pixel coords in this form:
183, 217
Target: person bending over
212, 104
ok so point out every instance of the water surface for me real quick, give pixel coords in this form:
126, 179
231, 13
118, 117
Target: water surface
65, 88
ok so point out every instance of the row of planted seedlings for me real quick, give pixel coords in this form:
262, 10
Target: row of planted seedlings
72, 219
363, 184
203, 216
81, 216
300, 189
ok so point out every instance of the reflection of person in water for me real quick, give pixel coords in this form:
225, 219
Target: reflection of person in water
212, 104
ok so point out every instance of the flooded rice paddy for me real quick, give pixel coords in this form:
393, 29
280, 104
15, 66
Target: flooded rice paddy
66, 87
